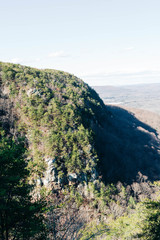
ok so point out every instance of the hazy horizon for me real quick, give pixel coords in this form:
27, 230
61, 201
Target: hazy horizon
126, 85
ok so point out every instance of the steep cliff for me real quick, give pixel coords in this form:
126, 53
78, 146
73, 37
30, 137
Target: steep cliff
98, 160
57, 113
72, 137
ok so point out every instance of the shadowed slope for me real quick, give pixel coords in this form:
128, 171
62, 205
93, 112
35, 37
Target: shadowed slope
128, 146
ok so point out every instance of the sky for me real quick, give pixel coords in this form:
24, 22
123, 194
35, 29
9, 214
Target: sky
104, 42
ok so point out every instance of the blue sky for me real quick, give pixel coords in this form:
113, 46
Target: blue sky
104, 42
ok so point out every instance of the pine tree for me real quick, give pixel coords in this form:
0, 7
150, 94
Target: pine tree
20, 216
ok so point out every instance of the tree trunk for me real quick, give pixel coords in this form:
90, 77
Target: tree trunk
2, 226
6, 226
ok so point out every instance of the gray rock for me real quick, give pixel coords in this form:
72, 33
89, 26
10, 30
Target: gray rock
51, 173
72, 177
46, 182
32, 91
39, 182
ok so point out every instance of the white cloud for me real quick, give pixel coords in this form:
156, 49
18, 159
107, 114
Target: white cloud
59, 54
16, 60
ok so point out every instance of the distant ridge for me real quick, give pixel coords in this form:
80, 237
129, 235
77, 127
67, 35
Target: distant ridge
143, 96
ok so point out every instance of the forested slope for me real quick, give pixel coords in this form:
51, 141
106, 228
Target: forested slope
91, 162
57, 113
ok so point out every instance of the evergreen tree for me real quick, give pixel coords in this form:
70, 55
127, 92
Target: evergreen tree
20, 216
151, 227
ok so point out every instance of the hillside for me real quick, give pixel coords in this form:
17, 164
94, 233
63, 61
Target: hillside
97, 160
69, 130
57, 113
132, 145
148, 117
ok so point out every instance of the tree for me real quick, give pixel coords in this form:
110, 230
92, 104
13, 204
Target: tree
64, 220
20, 216
151, 227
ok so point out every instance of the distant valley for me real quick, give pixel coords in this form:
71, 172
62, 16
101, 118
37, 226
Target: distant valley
142, 96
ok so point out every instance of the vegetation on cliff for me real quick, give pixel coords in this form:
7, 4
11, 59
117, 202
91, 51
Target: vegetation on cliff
20, 216
143, 223
56, 112
73, 150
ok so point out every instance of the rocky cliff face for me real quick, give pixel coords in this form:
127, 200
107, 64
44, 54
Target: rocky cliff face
72, 137
57, 113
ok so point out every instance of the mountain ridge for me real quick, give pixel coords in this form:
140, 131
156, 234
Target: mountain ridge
56, 113
68, 127
91, 162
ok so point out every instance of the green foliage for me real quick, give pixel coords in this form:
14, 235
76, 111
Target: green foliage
74, 195
93, 230
20, 217
151, 224
141, 223
131, 202
55, 110
60, 116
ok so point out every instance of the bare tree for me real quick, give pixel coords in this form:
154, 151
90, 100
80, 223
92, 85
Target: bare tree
64, 219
